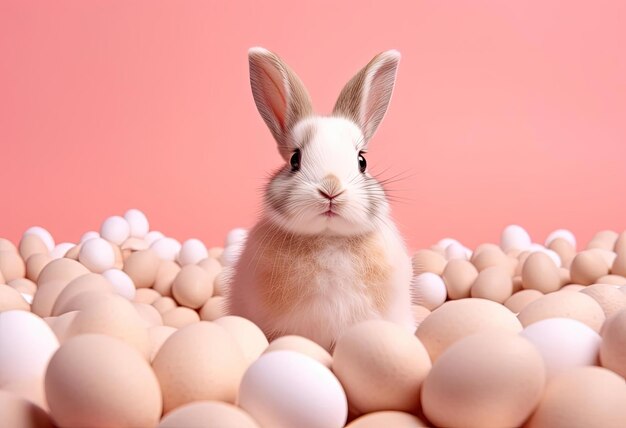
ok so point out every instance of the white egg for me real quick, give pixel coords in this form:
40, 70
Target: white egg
514, 237
122, 283
28, 298
446, 242
138, 222
554, 256
561, 233
97, 255
89, 235
45, 236
236, 236
61, 249
166, 248
115, 229
231, 254
26, 345
192, 251
152, 237
456, 251
286, 389
564, 343
429, 290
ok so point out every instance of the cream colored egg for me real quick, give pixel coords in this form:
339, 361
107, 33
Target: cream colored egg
146, 295
213, 309
521, 299
142, 267
115, 229
23, 285
247, 335
97, 255
604, 239
456, 251
60, 250
166, 248
99, 381
459, 275
42, 233
302, 345
428, 261
587, 267
270, 393
122, 284
428, 290
51, 281
32, 244
81, 284
137, 222
73, 252
566, 304
612, 350
619, 264
611, 279
11, 299
609, 297
485, 380
191, 252
11, 265
563, 234
158, 334
192, 287
149, 315
6, 245
180, 317
564, 249
582, 397
208, 414
540, 273
514, 237
456, 319
165, 277
164, 304
491, 256
387, 418
134, 244
19, 412
493, 283
381, 366
199, 362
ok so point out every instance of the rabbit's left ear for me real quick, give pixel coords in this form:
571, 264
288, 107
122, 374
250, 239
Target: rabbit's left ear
366, 96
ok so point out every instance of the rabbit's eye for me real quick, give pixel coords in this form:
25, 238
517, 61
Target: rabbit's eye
295, 161
362, 162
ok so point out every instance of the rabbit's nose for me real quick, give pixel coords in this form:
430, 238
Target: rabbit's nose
330, 197
330, 187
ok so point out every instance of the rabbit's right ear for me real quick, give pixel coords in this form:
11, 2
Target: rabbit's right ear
280, 96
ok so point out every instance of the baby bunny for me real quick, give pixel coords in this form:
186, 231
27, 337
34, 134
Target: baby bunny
325, 253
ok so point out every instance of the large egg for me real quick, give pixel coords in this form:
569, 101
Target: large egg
381, 366
192, 287
428, 290
180, 317
485, 380
99, 381
387, 418
303, 345
587, 267
249, 337
192, 251
428, 261
97, 255
77, 286
608, 297
613, 348
158, 334
514, 237
540, 273
11, 265
137, 222
208, 414
519, 300
493, 283
35, 264
285, 389
142, 267
565, 304
52, 280
32, 244
167, 272
11, 299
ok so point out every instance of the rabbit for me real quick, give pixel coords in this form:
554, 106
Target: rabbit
325, 253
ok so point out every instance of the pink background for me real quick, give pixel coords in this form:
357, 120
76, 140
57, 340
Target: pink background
503, 112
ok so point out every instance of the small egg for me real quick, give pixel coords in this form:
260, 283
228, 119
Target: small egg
96, 380
180, 317
149, 315
77, 286
565, 304
493, 283
612, 355
270, 395
564, 249
491, 256
164, 304
216, 252
73, 252
35, 264
17, 411
302, 345
212, 266
608, 297
32, 244
514, 237
236, 236
620, 243
199, 362
247, 335
387, 418
456, 319
137, 222
428, 261
564, 234
604, 239
42, 233
456, 251
192, 287
89, 235
52, 280
6, 245
540, 273
381, 366
459, 275
446, 242
208, 414
607, 255
213, 309
611, 279
121, 282
115, 229
146, 295
153, 236
60, 250
231, 254
11, 299
23, 285
158, 334
485, 380
619, 264
587, 267
564, 344
165, 277
166, 248
191, 252
521, 299
428, 290
573, 287
582, 397
97, 255
142, 267
419, 313
11, 265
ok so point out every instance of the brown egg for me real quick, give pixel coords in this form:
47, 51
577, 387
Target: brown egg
77, 286
60, 325
490, 379
146, 295
73, 252
31, 244
613, 346
381, 367
165, 277
11, 265
148, 313
6, 245
51, 281
582, 397
216, 252
609, 297
99, 381
428, 261
611, 279
604, 239
23, 285
134, 244
619, 264
387, 418
564, 304
493, 283
521, 259
180, 317
11, 299
142, 267
419, 313
587, 267
19, 412
208, 414
247, 335
199, 362
540, 273
459, 275
521, 299
158, 335
192, 287
606, 255
164, 304
564, 249
213, 309
212, 266
456, 319
302, 345
492, 256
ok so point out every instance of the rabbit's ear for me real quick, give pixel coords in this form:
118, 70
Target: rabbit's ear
366, 96
280, 96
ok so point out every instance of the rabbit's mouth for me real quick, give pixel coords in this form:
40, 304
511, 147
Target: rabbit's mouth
330, 213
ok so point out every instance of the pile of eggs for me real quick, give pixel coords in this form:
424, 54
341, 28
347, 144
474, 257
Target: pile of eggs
128, 328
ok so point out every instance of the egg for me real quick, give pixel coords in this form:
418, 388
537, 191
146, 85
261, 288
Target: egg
73, 252
620, 243
247, 335
564, 249
270, 393
611, 279
540, 273
51, 281
381, 366
149, 315
428, 290
588, 266
582, 397
153, 236
554, 256
134, 244
164, 304
43, 234
23, 285
212, 266
19, 412
165, 276
208, 414
567, 304
97, 255
31, 244
146, 295
137, 222
428, 261
619, 264
608, 297
491, 256
563, 234
456, 319
158, 334
493, 283
612, 354
115, 229
121, 282
457, 251
564, 344
166, 248
6, 245
192, 251
84, 283
604, 239
199, 362
180, 317
99, 381
60, 325
35, 264
192, 287
11, 265
459, 275
521, 299
89, 235
491, 379
302, 345
236, 236
142, 267
213, 309
387, 418
514, 237
60, 250
10, 299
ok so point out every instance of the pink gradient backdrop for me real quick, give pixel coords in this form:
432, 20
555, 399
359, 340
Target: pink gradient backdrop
503, 112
